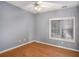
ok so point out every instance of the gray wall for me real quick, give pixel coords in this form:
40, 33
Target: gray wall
15, 25
42, 26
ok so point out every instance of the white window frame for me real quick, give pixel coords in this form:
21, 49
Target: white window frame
63, 18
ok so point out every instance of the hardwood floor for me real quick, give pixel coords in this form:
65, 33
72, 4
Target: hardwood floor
39, 50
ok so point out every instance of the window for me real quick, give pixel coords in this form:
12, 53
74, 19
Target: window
62, 29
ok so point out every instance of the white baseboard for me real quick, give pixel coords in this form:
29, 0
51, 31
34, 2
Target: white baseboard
15, 47
57, 46
37, 42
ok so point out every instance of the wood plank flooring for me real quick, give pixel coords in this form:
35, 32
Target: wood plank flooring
39, 50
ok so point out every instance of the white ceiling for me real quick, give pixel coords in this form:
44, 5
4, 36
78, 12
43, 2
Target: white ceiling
50, 5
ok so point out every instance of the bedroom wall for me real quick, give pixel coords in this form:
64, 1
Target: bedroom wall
42, 26
16, 26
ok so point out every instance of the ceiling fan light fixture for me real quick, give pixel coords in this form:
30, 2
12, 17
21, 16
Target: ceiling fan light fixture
37, 6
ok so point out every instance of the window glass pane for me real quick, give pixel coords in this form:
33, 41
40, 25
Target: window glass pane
67, 29
62, 29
